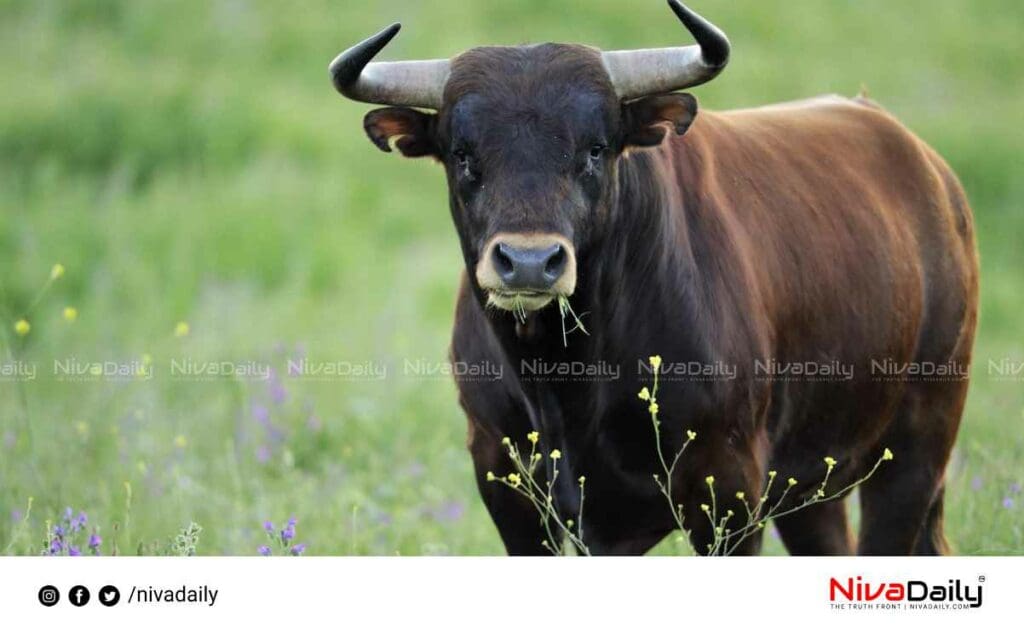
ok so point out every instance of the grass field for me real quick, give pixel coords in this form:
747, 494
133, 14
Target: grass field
189, 162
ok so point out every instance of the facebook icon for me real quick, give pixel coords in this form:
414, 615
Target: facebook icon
78, 596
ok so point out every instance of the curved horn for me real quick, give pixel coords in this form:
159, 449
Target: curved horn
637, 73
413, 83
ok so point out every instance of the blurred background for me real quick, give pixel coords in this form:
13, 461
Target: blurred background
211, 197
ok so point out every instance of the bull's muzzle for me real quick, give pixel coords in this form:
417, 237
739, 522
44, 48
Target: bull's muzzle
526, 271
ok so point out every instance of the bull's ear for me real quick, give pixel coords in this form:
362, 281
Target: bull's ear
413, 129
645, 120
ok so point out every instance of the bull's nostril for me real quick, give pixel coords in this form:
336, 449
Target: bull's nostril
555, 265
503, 263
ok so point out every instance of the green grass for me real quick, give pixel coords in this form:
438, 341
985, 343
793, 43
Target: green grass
190, 161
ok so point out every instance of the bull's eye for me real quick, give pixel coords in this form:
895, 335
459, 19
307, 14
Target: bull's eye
463, 164
594, 159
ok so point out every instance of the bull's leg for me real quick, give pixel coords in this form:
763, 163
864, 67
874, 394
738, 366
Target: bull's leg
932, 540
818, 530
517, 521
902, 503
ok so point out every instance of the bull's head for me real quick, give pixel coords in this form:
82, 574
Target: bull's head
530, 137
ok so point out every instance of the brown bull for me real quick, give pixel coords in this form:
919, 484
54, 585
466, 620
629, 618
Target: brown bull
818, 249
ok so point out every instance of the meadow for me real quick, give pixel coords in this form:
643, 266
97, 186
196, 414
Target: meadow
210, 197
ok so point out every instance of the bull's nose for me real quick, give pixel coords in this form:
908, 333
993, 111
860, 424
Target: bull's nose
529, 268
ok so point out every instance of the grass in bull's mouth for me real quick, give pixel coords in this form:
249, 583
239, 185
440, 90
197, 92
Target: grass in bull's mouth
518, 309
565, 309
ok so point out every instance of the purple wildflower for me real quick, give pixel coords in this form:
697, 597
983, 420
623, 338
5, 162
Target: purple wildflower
58, 531
68, 513
298, 549
288, 533
268, 527
56, 547
1015, 488
79, 522
264, 550
976, 483
277, 391
449, 512
73, 551
275, 388
261, 414
94, 543
263, 454
16, 516
1008, 503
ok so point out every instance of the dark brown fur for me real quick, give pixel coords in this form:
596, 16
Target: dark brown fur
820, 230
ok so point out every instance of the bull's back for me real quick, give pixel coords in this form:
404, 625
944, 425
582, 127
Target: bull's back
850, 227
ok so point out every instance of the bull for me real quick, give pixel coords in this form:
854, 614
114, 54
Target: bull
819, 231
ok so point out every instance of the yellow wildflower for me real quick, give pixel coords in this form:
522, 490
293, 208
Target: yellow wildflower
791, 482
57, 271
582, 480
887, 456
490, 476
514, 479
655, 362
830, 462
740, 495
182, 329
533, 437
556, 454
22, 327
710, 480
70, 314
653, 408
690, 435
705, 507
644, 394
180, 441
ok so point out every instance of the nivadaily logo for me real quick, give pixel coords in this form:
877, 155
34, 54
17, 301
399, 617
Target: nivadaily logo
857, 593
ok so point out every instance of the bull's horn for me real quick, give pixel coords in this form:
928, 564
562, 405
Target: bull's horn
638, 73
412, 83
